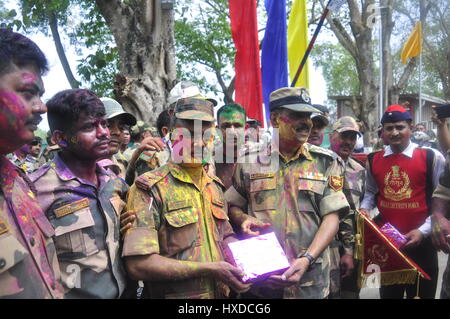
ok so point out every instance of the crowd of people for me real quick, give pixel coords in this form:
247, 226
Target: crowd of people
114, 208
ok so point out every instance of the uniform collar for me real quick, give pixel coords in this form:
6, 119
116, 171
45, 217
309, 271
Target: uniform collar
303, 150
179, 173
65, 174
408, 151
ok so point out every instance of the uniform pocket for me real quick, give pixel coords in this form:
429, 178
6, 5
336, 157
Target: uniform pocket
262, 194
220, 218
75, 234
182, 229
310, 192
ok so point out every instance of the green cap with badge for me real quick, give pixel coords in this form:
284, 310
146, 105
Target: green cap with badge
293, 98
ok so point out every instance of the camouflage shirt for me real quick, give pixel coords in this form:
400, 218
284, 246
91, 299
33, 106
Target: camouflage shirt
86, 223
28, 264
176, 219
354, 177
294, 198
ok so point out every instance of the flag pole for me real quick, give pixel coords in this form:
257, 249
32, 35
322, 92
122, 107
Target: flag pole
311, 44
420, 85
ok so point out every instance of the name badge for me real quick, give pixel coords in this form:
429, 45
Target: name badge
71, 208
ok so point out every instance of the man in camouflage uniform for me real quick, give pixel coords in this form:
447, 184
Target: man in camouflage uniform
231, 124
117, 119
28, 264
300, 197
50, 151
440, 223
175, 245
83, 201
153, 152
343, 271
139, 132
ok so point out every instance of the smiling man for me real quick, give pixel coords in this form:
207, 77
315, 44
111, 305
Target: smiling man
83, 201
301, 198
343, 271
28, 264
400, 181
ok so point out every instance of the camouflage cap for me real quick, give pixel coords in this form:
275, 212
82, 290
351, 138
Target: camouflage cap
185, 89
113, 109
346, 123
292, 98
194, 109
140, 127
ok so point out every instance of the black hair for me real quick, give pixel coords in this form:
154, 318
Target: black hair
228, 108
164, 119
65, 107
16, 49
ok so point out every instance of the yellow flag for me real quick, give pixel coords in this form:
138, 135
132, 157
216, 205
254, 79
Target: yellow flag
413, 46
298, 42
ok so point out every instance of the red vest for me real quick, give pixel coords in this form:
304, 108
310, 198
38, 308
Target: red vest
402, 181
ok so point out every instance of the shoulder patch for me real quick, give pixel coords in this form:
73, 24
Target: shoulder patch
321, 150
147, 180
336, 182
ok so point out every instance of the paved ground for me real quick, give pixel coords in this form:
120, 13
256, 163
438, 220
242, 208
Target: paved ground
373, 293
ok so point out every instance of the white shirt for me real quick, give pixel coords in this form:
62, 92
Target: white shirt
372, 189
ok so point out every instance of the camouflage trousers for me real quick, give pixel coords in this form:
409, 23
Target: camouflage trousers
342, 288
445, 292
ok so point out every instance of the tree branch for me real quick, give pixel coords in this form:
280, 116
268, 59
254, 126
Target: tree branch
53, 22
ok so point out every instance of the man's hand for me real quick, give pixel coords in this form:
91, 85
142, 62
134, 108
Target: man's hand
434, 118
414, 237
126, 221
291, 276
347, 265
249, 225
229, 275
440, 234
151, 144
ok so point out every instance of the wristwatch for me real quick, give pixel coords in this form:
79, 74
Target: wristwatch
309, 257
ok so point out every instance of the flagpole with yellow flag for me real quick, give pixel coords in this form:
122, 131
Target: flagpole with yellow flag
412, 48
298, 41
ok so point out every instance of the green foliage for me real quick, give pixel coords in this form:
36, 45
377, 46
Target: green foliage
203, 37
338, 69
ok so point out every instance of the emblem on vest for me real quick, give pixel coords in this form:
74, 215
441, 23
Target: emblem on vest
397, 184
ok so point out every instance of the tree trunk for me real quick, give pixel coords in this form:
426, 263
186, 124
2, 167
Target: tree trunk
53, 22
145, 40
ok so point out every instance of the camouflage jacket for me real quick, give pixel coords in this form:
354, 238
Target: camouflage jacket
354, 177
86, 222
177, 220
294, 197
28, 264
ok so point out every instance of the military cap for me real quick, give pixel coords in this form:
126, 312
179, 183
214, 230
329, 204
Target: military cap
292, 98
141, 127
194, 109
185, 89
346, 123
113, 109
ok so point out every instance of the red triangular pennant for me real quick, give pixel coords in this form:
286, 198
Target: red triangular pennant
382, 263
